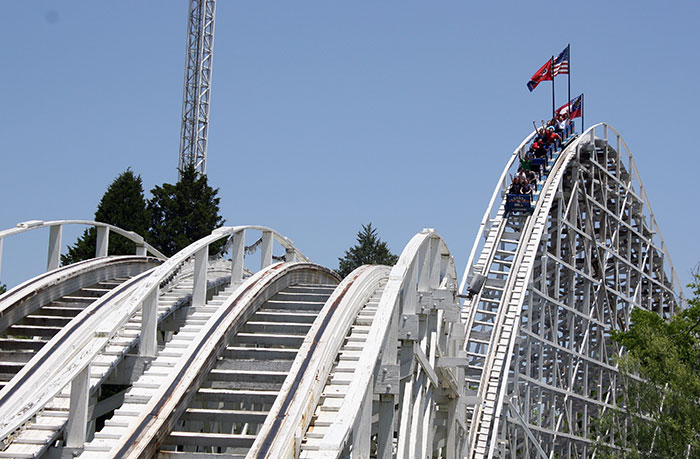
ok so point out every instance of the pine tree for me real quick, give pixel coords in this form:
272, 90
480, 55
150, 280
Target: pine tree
369, 250
184, 212
3, 288
122, 205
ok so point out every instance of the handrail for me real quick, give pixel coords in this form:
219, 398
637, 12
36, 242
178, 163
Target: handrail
75, 347
56, 231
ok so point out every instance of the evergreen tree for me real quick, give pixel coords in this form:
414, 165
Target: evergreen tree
661, 410
184, 212
122, 205
3, 288
369, 250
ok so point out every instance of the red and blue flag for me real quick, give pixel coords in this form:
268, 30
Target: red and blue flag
576, 107
543, 74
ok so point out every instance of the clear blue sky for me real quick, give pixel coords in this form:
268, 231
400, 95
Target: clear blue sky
326, 115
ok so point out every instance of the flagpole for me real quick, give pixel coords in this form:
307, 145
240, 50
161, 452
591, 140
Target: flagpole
582, 124
551, 66
568, 47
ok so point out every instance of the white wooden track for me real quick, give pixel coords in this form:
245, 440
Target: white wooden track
257, 352
543, 294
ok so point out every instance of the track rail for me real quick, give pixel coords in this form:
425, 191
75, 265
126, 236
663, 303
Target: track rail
31, 314
170, 400
386, 373
513, 317
69, 355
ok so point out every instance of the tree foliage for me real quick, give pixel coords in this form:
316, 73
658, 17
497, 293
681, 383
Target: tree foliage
184, 212
3, 288
122, 205
662, 410
369, 250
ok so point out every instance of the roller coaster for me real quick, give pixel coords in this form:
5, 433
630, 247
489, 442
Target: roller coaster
255, 351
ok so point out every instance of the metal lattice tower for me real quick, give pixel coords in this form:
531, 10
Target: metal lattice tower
197, 92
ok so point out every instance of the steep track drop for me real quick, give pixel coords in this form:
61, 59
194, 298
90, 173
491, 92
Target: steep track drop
554, 284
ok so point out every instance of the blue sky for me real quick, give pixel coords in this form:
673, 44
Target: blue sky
326, 115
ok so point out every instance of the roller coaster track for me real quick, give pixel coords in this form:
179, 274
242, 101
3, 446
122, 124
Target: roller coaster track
205, 356
544, 293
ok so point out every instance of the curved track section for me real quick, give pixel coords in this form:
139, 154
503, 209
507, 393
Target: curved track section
381, 374
33, 312
37, 408
211, 387
545, 292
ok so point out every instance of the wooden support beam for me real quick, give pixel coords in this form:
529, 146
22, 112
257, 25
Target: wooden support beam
54, 258
76, 429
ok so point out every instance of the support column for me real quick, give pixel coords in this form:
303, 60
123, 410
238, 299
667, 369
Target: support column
141, 250
362, 430
102, 241
149, 325
424, 268
290, 255
387, 412
199, 290
54, 258
237, 257
435, 263
76, 429
266, 257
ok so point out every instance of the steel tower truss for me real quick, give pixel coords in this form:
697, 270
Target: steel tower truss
197, 91
542, 364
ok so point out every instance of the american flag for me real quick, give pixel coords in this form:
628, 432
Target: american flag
561, 63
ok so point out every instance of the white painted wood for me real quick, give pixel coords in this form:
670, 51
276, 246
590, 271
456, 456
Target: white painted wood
102, 247
130, 235
266, 252
248, 296
73, 353
54, 258
237, 257
351, 295
149, 324
397, 300
76, 430
612, 183
199, 289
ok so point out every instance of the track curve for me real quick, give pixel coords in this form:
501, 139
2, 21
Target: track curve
387, 375
94, 346
176, 392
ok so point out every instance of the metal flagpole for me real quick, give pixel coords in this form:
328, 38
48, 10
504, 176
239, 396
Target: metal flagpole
582, 114
568, 53
551, 69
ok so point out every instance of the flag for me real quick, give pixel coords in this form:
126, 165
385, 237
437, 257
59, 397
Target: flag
561, 63
576, 107
543, 74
